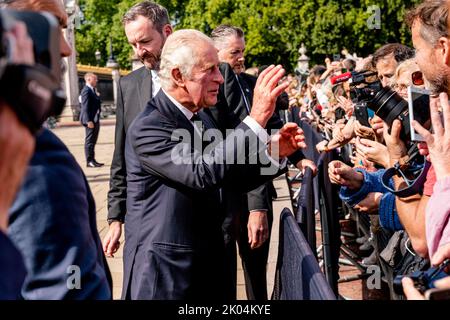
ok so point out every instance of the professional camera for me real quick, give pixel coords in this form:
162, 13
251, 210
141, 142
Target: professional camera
368, 93
34, 92
384, 101
423, 280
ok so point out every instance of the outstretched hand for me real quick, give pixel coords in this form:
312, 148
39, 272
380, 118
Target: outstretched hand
286, 141
344, 175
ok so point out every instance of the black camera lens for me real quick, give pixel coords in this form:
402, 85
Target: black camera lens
388, 105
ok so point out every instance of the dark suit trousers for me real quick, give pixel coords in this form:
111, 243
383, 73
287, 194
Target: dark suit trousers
90, 141
254, 261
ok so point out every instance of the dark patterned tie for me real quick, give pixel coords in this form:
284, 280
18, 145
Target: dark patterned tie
197, 121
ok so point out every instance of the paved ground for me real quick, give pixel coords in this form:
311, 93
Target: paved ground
73, 135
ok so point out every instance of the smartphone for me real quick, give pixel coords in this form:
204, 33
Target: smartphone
419, 110
362, 115
337, 57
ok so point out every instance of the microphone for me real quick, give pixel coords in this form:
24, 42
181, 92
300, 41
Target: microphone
341, 78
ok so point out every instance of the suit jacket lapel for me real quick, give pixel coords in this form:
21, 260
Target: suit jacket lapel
247, 90
145, 88
170, 111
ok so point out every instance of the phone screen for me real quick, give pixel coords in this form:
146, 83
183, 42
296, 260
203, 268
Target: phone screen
419, 110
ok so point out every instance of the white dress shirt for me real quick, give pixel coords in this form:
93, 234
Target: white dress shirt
156, 84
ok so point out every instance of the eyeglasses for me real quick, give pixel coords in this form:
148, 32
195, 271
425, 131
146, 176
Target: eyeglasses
417, 78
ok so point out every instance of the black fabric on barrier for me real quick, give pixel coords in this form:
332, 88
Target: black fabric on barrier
305, 214
312, 138
298, 275
329, 218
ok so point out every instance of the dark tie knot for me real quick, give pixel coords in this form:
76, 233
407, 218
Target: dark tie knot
195, 117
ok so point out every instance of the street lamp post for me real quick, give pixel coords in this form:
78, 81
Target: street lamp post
98, 57
303, 62
112, 63
71, 76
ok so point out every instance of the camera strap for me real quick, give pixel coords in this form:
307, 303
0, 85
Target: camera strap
406, 168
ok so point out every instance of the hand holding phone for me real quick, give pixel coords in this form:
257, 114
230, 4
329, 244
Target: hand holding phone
419, 110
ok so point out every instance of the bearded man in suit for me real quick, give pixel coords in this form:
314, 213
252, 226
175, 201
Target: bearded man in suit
147, 28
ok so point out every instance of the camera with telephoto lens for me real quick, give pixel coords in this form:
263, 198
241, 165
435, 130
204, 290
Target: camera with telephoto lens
367, 92
33, 91
383, 101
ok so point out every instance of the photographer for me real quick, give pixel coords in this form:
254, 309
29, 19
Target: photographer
430, 38
53, 218
16, 148
387, 58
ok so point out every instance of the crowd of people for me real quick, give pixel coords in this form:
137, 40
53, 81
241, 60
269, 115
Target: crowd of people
409, 226
185, 203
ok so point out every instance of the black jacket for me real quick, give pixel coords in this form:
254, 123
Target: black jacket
134, 92
90, 106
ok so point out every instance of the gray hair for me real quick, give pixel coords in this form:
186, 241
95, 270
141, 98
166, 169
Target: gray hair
223, 31
154, 12
180, 51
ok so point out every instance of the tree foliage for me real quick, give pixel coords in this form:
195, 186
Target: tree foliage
274, 29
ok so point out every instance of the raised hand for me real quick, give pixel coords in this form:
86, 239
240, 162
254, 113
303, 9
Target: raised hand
438, 143
372, 151
377, 126
396, 147
266, 92
363, 131
344, 175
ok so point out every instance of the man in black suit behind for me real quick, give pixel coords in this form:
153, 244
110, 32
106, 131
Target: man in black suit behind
174, 245
250, 216
146, 27
90, 117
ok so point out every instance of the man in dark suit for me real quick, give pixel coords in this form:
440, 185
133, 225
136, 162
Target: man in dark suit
90, 118
250, 215
143, 22
174, 245
53, 219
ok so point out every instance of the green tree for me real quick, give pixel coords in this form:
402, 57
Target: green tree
274, 29
102, 23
